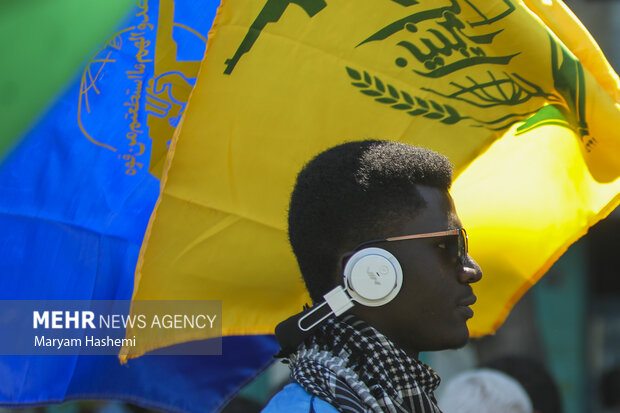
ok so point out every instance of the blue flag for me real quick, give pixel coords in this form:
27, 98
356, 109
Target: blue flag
75, 198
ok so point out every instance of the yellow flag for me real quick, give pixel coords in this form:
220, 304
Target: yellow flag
497, 86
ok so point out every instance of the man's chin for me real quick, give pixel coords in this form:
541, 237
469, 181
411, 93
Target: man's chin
453, 343
460, 340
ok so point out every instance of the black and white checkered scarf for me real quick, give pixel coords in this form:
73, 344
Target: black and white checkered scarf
355, 368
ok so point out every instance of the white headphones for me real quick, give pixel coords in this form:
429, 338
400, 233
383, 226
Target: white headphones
372, 277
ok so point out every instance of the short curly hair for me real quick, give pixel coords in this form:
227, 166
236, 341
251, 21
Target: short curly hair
351, 193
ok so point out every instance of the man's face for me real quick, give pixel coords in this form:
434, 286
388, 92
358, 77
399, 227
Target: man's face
432, 307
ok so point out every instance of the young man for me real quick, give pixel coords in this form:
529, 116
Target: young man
373, 221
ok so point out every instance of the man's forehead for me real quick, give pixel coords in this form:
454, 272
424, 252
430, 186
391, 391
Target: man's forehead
453, 219
437, 214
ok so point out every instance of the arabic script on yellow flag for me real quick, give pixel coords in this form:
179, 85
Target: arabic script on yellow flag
494, 85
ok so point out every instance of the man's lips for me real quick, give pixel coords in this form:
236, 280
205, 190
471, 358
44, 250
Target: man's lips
467, 301
463, 306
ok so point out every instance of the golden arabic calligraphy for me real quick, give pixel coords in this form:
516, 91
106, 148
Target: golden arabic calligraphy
137, 75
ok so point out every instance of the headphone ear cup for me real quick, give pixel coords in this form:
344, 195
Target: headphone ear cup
373, 276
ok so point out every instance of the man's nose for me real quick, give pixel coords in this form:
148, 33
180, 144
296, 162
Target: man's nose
470, 272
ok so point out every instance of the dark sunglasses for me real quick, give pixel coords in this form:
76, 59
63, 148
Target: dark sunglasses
458, 250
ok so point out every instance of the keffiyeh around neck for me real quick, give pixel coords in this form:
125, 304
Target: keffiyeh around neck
355, 368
